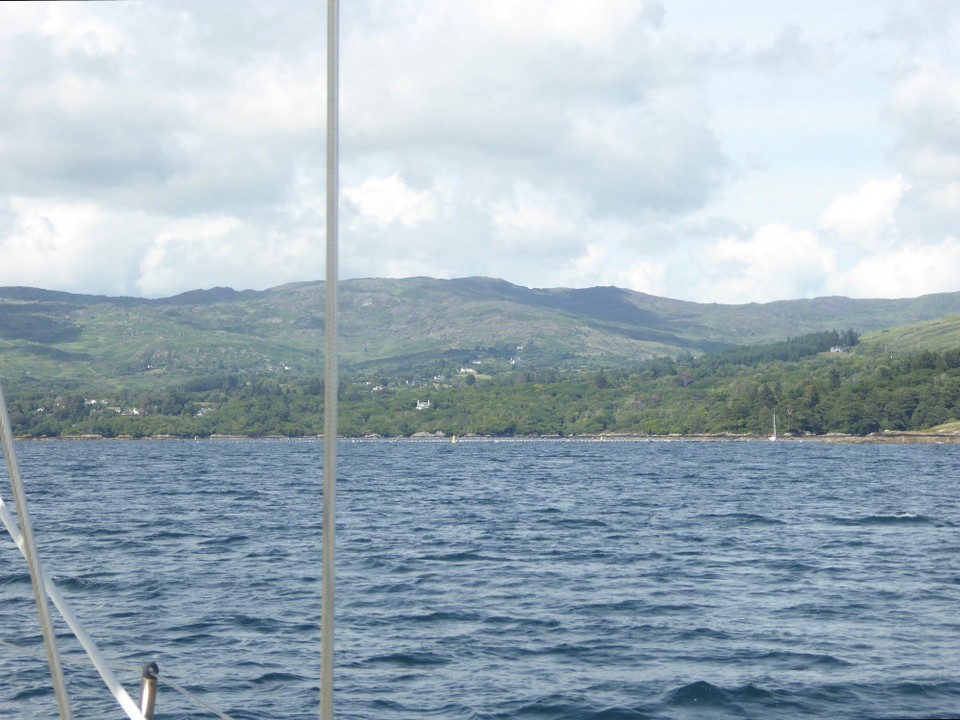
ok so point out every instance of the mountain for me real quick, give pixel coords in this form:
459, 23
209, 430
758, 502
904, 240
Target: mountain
395, 326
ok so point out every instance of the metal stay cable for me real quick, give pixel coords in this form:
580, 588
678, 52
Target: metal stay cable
29, 549
121, 695
21, 540
331, 383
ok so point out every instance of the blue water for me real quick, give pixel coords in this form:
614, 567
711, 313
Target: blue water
487, 580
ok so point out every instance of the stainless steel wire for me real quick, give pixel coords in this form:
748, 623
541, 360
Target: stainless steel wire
29, 549
330, 375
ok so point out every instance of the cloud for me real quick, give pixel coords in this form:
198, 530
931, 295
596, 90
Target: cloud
865, 214
677, 149
906, 271
383, 201
923, 108
206, 251
655, 158
594, 267
946, 199
790, 51
531, 224
587, 265
72, 28
567, 21
55, 244
123, 109
574, 105
777, 262
642, 276
926, 106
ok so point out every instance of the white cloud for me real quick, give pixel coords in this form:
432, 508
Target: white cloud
75, 28
532, 224
54, 244
21, 18
906, 271
925, 106
594, 26
776, 263
206, 251
642, 276
586, 267
528, 219
548, 142
595, 266
383, 201
946, 198
865, 214
928, 96
197, 242
455, 85
270, 98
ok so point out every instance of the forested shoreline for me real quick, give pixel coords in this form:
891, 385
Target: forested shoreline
812, 390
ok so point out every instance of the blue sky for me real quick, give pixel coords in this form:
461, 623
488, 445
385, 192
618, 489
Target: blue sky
749, 150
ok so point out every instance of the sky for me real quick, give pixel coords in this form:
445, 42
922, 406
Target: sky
731, 152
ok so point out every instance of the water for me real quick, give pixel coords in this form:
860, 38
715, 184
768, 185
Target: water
490, 580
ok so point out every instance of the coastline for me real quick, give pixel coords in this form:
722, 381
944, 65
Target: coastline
881, 438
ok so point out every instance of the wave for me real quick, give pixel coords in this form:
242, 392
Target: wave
638, 607
95, 582
170, 535
579, 523
700, 693
892, 518
519, 622
275, 677
511, 612
888, 699
406, 659
460, 556
32, 693
444, 616
744, 518
798, 660
568, 707
224, 541
15, 578
832, 699
742, 701
703, 633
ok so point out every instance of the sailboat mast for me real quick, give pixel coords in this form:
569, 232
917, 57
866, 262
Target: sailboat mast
330, 376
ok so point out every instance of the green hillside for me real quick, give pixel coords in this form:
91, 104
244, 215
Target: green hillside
418, 327
939, 334
816, 384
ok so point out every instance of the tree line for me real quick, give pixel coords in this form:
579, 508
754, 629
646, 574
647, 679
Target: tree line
812, 391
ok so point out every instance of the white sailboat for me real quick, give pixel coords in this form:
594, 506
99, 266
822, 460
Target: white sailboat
774, 436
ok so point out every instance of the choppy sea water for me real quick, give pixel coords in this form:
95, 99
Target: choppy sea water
501, 580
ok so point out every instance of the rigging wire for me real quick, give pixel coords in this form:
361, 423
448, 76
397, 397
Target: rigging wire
23, 537
331, 383
329, 432
28, 547
121, 695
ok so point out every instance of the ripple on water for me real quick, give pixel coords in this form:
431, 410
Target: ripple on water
511, 580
